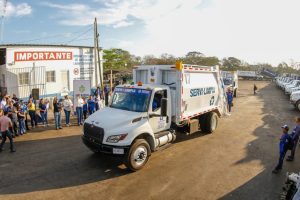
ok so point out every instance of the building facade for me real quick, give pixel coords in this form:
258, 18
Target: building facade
50, 68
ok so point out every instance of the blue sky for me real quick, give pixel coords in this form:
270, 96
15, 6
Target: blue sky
253, 30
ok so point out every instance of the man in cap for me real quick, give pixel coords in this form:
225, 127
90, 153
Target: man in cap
283, 147
295, 137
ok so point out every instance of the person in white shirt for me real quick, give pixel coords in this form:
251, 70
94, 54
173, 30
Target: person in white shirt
79, 111
67, 108
3, 102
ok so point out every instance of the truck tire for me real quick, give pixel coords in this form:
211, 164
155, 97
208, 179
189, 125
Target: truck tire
138, 155
298, 105
209, 122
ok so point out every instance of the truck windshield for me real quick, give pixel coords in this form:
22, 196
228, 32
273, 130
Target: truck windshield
227, 81
131, 99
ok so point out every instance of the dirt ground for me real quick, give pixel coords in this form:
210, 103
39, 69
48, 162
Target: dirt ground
235, 162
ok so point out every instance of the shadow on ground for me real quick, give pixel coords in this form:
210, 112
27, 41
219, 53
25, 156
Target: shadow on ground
54, 163
265, 185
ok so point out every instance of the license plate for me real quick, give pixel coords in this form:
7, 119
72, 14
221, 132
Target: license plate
118, 151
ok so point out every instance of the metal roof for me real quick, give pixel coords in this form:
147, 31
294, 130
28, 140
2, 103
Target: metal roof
43, 45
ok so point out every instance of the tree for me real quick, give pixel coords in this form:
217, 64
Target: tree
193, 54
150, 60
285, 68
193, 57
231, 63
116, 59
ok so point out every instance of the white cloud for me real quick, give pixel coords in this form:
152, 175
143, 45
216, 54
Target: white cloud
123, 24
15, 10
253, 30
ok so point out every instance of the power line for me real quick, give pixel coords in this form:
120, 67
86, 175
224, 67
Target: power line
79, 36
84, 39
51, 36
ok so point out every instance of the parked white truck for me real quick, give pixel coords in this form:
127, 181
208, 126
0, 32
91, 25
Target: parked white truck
230, 79
295, 99
143, 117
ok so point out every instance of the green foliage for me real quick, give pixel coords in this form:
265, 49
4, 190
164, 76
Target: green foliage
197, 58
164, 59
285, 68
116, 59
121, 59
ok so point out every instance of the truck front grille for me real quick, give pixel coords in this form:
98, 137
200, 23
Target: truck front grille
93, 132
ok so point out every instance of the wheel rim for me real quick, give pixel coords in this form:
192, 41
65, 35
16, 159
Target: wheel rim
298, 106
139, 155
213, 123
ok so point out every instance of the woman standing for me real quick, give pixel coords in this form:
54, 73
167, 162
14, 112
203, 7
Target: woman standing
43, 112
31, 109
79, 111
57, 113
67, 108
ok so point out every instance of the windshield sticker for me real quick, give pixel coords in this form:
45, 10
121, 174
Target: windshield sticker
202, 91
132, 90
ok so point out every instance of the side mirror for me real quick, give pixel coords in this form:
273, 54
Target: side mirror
164, 107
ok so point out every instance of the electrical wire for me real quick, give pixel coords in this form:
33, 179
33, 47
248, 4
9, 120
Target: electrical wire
79, 36
52, 36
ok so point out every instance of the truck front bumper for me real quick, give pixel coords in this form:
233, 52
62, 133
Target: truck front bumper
103, 148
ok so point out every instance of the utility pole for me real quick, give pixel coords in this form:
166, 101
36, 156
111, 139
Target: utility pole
99, 60
2, 20
96, 51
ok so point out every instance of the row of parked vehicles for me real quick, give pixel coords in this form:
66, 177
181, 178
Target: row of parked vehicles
291, 87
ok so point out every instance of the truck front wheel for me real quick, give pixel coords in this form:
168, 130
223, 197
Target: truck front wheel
209, 122
138, 155
298, 105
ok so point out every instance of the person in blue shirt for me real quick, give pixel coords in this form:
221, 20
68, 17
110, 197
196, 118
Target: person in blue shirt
283, 147
295, 137
84, 109
91, 105
43, 112
229, 99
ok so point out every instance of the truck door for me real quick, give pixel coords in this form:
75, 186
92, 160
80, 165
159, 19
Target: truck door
157, 122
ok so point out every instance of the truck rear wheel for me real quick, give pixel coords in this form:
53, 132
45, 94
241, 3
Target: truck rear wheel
209, 122
138, 155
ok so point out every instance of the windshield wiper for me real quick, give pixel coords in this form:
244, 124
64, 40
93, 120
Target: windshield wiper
122, 108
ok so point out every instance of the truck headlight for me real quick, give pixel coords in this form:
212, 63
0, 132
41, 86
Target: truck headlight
116, 138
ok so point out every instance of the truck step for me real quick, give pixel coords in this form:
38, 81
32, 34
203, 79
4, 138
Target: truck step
160, 134
164, 147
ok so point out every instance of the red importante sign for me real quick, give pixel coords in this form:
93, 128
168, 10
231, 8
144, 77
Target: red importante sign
42, 55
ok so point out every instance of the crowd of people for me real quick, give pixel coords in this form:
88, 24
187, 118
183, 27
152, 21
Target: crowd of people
15, 114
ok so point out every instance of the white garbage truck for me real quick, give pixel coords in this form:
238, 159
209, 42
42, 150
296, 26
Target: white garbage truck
143, 117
